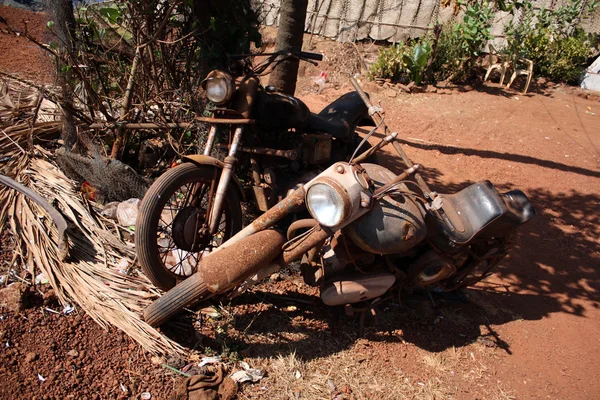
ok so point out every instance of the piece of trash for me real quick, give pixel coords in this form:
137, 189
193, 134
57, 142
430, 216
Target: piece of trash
209, 360
41, 378
3, 279
249, 375
127, 212
210, 311
68, 309
145, 396
297, 374
175, 370
331, 385
110, 210
244, 365
40, 279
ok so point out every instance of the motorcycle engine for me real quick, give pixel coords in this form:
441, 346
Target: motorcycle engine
395, 224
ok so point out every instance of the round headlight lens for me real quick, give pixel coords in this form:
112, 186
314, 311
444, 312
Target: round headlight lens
217, 90
325, 204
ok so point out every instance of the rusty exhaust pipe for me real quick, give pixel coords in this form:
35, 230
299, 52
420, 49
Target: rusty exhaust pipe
234, 264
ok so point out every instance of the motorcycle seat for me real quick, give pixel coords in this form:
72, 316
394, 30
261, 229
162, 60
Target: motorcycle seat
470, 211
341, 117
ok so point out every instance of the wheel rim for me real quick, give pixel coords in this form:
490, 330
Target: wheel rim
182, 230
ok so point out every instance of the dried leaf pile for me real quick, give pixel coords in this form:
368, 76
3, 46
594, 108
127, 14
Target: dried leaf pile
92, 275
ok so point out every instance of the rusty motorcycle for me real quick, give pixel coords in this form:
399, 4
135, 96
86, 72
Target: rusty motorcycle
370, 232
272, 143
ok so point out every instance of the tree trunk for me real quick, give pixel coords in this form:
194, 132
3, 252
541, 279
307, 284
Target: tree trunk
292, 16
61, 12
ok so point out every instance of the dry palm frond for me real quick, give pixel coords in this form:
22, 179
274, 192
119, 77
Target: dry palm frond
90, 276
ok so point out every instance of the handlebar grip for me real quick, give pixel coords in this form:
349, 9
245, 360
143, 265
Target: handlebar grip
310, 56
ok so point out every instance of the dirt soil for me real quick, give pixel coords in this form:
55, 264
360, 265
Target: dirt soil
20, 56
532, 331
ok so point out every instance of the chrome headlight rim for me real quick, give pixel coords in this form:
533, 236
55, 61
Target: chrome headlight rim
218, 77
342, 205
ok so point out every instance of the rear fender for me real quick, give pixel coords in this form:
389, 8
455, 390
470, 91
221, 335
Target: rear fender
202, 160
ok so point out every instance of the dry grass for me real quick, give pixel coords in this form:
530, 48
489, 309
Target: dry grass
89, 277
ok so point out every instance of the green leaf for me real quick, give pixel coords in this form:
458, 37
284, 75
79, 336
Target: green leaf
50, 24
112, 14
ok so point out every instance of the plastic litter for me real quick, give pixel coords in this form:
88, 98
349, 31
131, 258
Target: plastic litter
68, 309
127, 212
40, 279
145, 396
41, 378
210, 360
247, 374
3, 279
110, 210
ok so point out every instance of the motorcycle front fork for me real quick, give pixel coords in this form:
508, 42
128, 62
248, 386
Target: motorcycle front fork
230, 160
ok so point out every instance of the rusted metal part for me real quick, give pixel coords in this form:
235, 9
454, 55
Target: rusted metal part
210, 140
172, 125
297, 247
420, 181
59, 221
394, 224
300, 224
375, 114
396, 180
223, 270
293, 203
291, 154
368, 153
200, 159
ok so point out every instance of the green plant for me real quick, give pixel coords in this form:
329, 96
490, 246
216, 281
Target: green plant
550, 38
390, 63
460, 44
416, 61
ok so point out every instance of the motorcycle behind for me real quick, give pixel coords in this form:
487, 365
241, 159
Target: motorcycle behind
371, 232
273, 142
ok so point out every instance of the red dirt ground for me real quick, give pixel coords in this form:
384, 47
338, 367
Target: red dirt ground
530, 332
18, 55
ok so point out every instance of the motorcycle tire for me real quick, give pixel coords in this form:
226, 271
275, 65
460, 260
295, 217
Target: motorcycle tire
150, 213
187, 293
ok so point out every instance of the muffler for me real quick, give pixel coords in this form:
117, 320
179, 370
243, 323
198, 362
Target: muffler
232, 265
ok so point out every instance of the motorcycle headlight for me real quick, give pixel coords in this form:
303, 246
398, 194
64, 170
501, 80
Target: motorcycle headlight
325, 204
219, 87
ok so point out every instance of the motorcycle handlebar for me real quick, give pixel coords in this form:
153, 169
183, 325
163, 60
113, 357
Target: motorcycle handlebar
310, 56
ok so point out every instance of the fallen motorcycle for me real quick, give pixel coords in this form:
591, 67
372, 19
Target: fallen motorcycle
272, 140
371, 232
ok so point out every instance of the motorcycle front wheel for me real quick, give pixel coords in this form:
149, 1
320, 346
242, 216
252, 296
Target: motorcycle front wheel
171, 231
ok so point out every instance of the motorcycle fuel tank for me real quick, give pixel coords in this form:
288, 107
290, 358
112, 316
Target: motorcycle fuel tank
394, 224
280, 111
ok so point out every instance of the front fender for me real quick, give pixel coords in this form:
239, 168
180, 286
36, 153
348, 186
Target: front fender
201, 159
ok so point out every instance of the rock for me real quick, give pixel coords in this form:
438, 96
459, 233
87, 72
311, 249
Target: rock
410, 86
418, 89
13, 297
391, 92
31, 356
431, 89
73, 353
402, 87
346, 389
